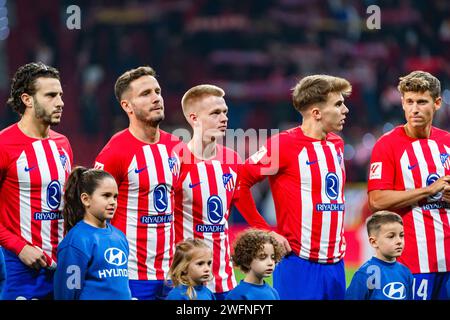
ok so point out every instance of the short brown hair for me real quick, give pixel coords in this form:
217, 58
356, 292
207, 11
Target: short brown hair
123, 82
420, 81
200, 91
315, 89
249, 243
379, 218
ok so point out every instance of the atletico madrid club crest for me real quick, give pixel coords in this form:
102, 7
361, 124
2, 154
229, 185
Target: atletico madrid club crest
445, 159
228, 181
173, 165
64, 161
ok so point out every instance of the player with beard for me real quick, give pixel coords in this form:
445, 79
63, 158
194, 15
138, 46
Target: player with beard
35, 162
142, 160
410, 174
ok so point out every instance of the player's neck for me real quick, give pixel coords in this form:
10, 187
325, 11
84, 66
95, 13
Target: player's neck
146, 134
417, 132
33, 128
312, 130
201, 149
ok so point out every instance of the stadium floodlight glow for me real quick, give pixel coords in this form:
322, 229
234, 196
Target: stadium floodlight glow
4, 29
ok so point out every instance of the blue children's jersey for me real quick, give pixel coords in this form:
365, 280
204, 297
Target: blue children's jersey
2, 272
250, 291
92, 264
179, 293
380, 280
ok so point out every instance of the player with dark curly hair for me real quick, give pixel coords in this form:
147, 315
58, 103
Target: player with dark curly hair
34, 165
255, 252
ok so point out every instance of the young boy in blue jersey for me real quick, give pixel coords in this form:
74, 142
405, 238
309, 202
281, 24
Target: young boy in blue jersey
93, 256
190, 271
255, 252
382, 277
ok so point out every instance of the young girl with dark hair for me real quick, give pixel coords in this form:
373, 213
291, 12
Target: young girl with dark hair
93, 256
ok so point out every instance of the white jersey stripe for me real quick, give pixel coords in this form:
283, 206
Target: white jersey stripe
168, 178
233, 276
44, 169
448, 211
418, 152
132, 220
326, 215
221, 192
188, 217
204, 187
151, 228
437, 221
340, 214
419, 224
25, 196
306, 200
61, 179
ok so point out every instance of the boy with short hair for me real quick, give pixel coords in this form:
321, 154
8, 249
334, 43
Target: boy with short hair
382, 277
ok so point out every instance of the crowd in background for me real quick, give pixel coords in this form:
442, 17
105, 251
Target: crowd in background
255, 50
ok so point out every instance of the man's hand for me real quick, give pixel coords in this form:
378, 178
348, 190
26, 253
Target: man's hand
33, 257
440, 185
446, 194
282, 241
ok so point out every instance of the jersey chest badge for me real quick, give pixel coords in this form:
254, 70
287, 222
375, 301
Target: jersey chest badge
228, 181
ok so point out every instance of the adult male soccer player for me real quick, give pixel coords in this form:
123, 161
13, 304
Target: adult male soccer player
34, 164
208, 183
306, 173
142, 161
410, 174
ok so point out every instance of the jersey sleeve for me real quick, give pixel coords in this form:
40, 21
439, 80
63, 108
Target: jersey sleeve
265, 162
3, 164
357, 290
8, 239
382, 167
245, 204
70, 152
110, 160
70, 273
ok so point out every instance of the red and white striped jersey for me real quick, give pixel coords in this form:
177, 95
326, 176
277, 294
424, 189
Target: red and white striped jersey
402, 163
307, 178
32, 177
145, 174
203, 200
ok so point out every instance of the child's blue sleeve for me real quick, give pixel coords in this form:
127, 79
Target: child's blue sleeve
235, 294
357, 290
70, 274
275, 292
177, 294
411, 286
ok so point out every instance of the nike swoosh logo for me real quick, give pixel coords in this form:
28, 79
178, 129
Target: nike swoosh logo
29, 169
311, 162
412, 167
140, 170
194, 185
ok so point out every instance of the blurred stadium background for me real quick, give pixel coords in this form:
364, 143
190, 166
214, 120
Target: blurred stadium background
255, 49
